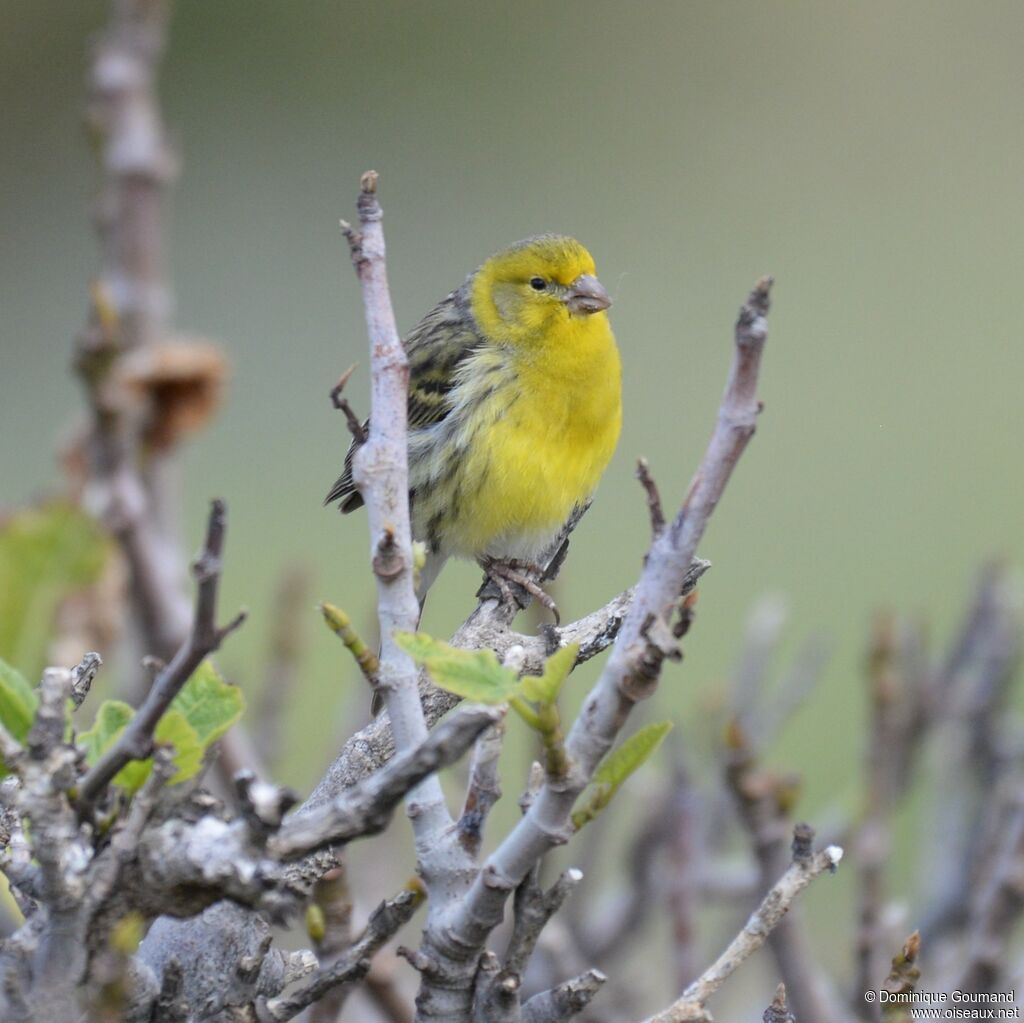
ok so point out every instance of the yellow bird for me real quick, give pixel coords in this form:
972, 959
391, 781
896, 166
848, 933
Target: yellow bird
514, 407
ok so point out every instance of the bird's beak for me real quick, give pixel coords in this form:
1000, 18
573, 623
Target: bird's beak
586, 295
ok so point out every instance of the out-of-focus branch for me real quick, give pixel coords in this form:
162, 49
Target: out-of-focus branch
778, 1011
902, 979
998, 902
966, 697
764, 802
807, 865
887, 694
136, 741
329, 923
285, 653
131, 302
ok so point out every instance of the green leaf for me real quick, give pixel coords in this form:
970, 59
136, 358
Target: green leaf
110, 722
45, 553
472, 674
546, 687
174, 730
209, 704
617, 766
200, 714
18, 702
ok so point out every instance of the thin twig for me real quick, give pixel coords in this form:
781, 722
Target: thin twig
765, 918
384, 922
338, 400
286, 648
136, 741
484, 788
643, 474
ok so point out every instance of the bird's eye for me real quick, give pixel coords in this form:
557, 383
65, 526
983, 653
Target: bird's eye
538, 283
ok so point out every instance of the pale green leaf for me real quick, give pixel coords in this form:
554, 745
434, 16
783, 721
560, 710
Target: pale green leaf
45, 553
112, 718
214, 706
209, 704
18, 703
472, 674
617, 766
110, 721
174, 730
546, 687
622, 761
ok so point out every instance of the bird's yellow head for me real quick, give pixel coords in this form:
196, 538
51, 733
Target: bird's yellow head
543, 284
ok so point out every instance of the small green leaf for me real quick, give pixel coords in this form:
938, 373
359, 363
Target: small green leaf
18, 702
214, 710
174, 730
472, 674
45, 553
617, 766
110, 722
209, 704
546, 687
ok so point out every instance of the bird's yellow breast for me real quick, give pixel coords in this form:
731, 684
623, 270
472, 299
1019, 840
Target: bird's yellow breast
539, 441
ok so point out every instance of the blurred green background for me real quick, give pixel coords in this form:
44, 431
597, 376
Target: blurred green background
868, 155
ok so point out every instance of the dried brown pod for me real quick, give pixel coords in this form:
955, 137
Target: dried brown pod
181, 383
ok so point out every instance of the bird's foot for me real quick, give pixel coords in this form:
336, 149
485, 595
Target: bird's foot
507, 573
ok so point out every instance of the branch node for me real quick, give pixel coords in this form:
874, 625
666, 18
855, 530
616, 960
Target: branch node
388, 563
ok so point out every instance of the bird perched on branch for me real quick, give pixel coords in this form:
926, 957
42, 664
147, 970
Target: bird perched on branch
514, 408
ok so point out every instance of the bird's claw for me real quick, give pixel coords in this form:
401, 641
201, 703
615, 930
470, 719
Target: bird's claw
524, 574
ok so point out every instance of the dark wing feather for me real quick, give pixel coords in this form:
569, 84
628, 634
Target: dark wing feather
436, 347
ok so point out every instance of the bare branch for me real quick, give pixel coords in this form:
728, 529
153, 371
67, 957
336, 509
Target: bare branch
900, 984
380, 470
565, 1001
329, 922
999, 902
338, 400
778, 1011
130, 305
136, 741
805, 868
764, 800
643, 474
484, 788
533, 909
366, 808
384, 922
285, 653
